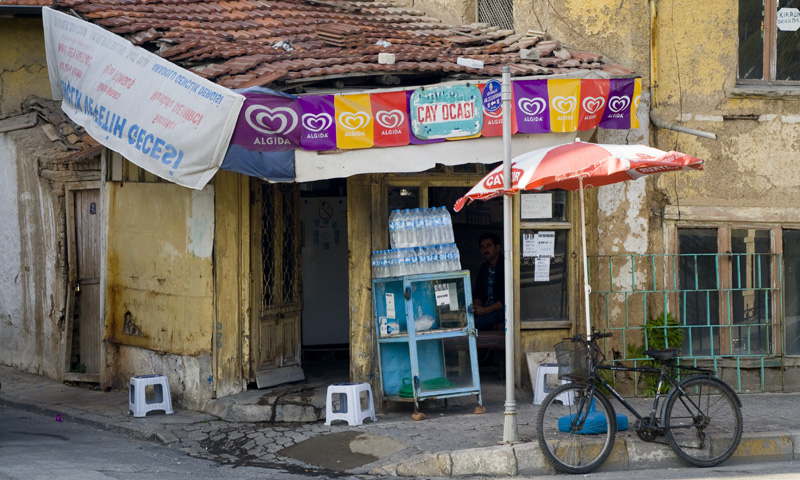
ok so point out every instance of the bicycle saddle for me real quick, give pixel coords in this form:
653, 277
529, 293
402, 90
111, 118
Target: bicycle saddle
662, 355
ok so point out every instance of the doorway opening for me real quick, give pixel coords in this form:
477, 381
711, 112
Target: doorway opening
324, 259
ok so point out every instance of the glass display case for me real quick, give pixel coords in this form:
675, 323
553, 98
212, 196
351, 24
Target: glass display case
426, 337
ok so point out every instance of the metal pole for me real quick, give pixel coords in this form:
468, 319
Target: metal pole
510, 417
586, 288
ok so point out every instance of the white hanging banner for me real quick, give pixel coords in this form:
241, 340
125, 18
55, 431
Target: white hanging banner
158, 115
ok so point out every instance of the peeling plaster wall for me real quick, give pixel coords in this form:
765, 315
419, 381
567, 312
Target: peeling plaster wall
32, 261
752, 163
159, 284
189, 376
23, 65
618, 30
451, 12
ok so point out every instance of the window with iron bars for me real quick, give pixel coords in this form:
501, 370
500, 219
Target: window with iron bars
499, 13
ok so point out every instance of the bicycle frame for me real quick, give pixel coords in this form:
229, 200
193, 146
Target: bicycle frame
663, 375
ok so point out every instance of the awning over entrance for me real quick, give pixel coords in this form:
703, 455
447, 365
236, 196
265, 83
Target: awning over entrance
181, 127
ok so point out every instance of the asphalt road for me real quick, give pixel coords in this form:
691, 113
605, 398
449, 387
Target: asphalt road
34, 446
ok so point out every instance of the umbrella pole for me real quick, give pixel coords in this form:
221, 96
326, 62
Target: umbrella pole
586, 288
510, 417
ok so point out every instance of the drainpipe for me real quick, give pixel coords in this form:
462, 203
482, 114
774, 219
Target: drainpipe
658, 121
655, 116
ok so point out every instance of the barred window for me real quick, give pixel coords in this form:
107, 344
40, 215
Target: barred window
499, 13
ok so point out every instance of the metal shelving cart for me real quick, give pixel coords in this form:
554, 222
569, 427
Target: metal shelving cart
426, 337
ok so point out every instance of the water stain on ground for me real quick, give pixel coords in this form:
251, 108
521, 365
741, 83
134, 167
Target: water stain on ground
343, 451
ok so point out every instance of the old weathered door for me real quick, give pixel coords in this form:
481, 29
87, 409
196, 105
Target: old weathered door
277, 297
84, 330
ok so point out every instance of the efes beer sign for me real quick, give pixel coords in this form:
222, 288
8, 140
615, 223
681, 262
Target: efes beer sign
446, 112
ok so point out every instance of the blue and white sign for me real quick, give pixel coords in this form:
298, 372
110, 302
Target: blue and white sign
492, 96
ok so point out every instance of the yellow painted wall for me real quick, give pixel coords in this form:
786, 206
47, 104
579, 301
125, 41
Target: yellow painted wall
159, 267
23, 66
751, 163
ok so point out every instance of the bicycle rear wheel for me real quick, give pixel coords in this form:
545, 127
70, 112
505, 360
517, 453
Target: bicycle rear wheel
703, 421
576, 428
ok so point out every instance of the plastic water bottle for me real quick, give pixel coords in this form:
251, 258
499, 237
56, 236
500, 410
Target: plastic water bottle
408, 229
393, 230
382, 264
448, 226
438, 225
441, 258
422, 264
428, 234
419, 225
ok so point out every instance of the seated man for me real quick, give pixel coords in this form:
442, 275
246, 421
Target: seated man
488, 297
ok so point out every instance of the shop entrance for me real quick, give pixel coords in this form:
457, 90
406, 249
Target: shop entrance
324, 258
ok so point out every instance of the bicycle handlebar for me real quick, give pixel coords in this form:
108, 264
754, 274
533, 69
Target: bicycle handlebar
579, 337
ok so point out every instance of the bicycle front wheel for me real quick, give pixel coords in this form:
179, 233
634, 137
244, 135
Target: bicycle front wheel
576, 428
703, 421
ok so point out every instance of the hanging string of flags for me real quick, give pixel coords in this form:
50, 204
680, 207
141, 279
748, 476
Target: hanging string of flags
273, 123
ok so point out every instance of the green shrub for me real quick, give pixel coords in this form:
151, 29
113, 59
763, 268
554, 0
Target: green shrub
660, 333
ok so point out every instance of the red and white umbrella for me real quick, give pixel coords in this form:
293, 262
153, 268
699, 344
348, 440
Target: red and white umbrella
564, 167
575, 166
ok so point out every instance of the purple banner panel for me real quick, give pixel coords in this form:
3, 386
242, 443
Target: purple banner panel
413, 140
267, 122
532, 106
318, 127
618, 107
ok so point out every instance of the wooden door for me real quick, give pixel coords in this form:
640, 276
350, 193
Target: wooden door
84, 330
277, 296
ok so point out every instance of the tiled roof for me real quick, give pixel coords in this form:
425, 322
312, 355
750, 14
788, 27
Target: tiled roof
27, 3
290, 44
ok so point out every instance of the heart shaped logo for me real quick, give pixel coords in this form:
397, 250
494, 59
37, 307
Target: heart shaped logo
593, 104
532, 106
257, 117
390, 118
497, 113
618, 104
318, 122
353, 121
636, 101
564, 104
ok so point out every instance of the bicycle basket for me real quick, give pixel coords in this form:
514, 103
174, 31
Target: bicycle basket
573, 361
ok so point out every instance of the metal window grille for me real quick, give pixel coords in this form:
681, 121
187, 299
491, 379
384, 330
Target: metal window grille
732, 326
268, 240
499, 13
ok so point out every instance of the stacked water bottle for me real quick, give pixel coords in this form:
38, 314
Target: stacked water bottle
422, 242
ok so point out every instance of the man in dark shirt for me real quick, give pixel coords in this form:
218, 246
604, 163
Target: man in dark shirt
488, 299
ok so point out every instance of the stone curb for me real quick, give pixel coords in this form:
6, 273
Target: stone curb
526, 459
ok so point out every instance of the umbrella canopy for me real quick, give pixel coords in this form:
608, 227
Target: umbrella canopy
575, 166
565, 167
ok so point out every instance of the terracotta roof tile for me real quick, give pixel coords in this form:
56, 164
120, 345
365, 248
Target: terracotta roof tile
234, 42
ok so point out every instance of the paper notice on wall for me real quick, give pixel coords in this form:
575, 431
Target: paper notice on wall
542, 270
536, 205
453, 297
390, 313
442, 294
528, 245
545, 244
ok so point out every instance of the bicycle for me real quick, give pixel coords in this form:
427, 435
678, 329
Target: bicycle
700, 417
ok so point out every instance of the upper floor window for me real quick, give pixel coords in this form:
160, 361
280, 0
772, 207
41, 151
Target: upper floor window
499, 13
769, 41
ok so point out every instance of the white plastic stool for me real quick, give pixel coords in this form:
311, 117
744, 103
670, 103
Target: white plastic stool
541, 390
349, 403
138, 405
